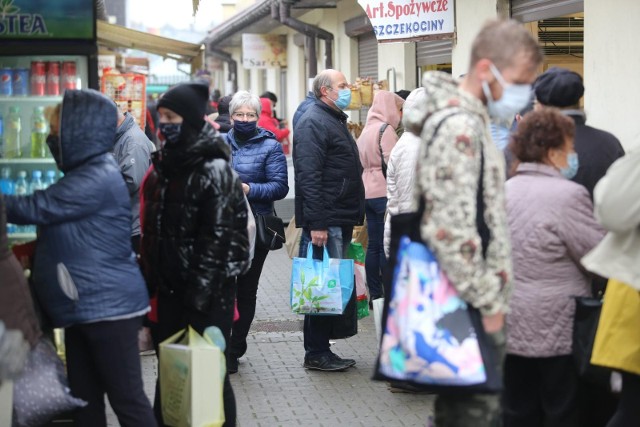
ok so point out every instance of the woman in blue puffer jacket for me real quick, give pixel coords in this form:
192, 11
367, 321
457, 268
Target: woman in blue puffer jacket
258, 159
85, 273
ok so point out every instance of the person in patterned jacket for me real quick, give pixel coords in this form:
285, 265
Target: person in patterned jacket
464, 219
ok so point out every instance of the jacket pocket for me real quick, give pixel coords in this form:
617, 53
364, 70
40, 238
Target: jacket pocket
66, 283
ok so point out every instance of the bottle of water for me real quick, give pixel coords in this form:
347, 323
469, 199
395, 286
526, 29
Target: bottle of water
50, 179
39, 132
21, 188
13, 134
7, 187
36, 182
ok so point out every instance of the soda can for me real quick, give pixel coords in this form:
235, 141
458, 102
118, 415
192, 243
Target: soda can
21, 82
53, 78
69, 75
6, 81
38, 78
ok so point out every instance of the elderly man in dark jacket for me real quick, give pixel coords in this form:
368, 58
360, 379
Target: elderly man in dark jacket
329, 197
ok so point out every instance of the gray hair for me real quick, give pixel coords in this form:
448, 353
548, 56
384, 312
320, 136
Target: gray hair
324, 79
243, 98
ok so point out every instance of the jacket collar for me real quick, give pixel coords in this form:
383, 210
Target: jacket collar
127, 124
530, 168
338, 114
578, 116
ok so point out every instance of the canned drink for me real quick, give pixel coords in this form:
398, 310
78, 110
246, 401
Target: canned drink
20, 82
6, 81
69, 75
53, 78
38, 78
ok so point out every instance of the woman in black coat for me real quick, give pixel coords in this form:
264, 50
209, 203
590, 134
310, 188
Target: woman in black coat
194, 228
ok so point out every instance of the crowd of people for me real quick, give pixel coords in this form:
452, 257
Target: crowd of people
153, 237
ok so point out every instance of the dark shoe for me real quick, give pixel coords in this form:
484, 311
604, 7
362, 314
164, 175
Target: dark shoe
325, 362
232, 365
349, 362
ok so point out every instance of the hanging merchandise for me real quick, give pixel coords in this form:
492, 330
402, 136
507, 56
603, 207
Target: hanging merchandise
128, 91
363, 90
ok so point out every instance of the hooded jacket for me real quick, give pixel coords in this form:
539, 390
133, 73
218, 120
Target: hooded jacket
84, 268
260, 163
194, 237
328, 173
384, 110
447, 178
133, 153
268, 122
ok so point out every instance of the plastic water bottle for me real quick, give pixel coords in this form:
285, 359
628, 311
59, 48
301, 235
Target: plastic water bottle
13, 134
7, 187
50, 179
39, 132
36, 182
21, 188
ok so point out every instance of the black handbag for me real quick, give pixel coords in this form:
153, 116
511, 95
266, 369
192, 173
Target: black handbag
585, 325
269, 231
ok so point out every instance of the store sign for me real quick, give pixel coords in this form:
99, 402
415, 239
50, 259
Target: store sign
60, 19
400, 20
264, 51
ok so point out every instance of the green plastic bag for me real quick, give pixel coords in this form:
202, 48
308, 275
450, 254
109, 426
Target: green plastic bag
356, 253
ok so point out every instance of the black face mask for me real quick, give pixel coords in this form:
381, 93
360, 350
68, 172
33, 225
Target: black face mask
53, 142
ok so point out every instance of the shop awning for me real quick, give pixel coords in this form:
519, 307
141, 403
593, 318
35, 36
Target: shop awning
117, 36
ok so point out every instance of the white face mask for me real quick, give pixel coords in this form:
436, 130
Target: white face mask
514, 97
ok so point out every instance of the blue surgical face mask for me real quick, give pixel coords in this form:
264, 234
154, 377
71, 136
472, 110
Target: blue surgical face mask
171, 132
344, 98
514, 97
245, 128
572, 166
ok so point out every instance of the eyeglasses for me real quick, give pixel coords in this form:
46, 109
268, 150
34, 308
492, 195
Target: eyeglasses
248, 116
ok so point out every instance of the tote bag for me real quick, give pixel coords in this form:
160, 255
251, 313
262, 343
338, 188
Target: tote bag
192, 370
321, 287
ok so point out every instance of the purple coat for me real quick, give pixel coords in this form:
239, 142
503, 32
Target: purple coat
552, 227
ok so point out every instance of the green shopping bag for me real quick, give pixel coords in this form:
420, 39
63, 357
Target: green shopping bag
192, 372
356, 253
321, 287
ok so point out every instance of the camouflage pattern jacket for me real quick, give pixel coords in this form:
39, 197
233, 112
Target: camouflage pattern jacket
447, 177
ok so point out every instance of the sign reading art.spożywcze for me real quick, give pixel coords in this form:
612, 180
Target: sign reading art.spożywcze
47, 19
404, 20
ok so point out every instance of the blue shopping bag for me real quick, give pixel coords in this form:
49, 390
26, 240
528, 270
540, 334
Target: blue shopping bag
321, 286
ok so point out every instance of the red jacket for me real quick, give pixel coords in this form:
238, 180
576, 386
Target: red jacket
266, 121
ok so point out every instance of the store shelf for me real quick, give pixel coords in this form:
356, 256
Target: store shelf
22, 236
34, 99
22, 161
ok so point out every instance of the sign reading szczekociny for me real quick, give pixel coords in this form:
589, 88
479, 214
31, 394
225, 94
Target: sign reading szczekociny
264, 51
395, 20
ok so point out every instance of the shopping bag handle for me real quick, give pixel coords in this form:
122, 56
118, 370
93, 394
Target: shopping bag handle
325, 255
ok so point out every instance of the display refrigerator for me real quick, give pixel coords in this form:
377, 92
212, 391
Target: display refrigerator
46, 47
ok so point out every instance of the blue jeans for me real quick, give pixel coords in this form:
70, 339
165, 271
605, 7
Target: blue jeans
375, 260
317, 329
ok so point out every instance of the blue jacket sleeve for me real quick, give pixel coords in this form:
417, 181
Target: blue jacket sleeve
276, 186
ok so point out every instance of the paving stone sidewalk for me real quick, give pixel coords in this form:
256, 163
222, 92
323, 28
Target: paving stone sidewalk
273, 389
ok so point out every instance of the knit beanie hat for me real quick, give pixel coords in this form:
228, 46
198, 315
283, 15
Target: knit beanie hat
189, 101
558, 87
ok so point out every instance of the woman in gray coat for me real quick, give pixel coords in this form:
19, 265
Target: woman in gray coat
552, 228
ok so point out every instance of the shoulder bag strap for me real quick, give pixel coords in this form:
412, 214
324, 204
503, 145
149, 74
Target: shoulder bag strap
383, 164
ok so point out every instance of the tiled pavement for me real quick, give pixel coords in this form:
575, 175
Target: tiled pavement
272, 388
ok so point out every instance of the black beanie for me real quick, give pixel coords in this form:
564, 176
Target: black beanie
189, 101
223, 104
558, 87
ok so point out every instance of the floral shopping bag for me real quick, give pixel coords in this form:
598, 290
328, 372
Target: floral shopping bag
321, 287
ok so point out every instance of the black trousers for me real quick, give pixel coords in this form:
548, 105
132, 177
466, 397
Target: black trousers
540, 392
628, 413
173, 316
247, 295
103, 357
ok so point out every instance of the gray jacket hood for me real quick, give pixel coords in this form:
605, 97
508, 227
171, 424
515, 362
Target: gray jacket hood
88, 125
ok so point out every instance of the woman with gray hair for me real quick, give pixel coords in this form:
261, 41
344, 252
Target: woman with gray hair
258, 159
